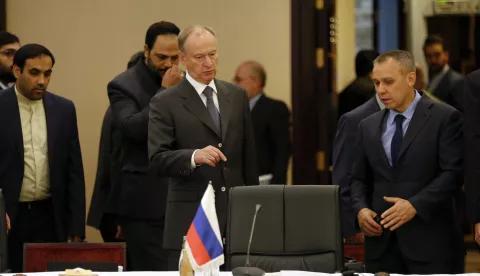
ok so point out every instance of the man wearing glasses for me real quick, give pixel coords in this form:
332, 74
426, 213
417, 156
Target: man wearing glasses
9, 44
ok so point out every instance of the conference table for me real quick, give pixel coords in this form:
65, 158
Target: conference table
176, 273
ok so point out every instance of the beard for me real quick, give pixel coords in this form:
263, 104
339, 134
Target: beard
7, 77
158, 73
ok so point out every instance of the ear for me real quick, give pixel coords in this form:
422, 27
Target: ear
183, 58
146, 51
16, 71
411, 79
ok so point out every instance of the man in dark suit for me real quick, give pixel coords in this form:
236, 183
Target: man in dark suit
361, 89
141, 191
407, 168
103, 204
271, 123
199, 131
41, 171
343, 156
472, 145
9, 44
443, 82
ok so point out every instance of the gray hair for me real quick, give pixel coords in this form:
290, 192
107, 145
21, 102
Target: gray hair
185, 33
404, 58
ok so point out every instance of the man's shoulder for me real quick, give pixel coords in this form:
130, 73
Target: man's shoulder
59, 99
455, 76
362, 112
473, 76
125, 77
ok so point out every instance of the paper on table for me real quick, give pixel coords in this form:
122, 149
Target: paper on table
305, 273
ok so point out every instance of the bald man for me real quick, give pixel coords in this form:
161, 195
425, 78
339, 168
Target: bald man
271, 122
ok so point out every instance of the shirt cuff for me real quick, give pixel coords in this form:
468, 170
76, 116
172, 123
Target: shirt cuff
192, 163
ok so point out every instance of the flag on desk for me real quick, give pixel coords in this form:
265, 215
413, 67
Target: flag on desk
203, 243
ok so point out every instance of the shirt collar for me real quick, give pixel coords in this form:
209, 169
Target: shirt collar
199, 87
253, 101
408, 113
3, 86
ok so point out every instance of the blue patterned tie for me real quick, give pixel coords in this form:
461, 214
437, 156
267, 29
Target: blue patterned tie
397, 139
208, 92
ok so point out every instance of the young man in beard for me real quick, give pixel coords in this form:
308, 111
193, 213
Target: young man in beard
9, 44
140, 192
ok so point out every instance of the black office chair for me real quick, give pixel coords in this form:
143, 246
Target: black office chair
298, 228
3, 236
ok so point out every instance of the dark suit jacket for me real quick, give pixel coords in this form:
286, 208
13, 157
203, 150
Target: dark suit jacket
67, 184
271, 126
356, 94
179, 124
343, 158
450, 90
142, 192
472, 138
104, 199
428, 172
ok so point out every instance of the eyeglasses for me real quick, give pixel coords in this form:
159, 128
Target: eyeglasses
8, 52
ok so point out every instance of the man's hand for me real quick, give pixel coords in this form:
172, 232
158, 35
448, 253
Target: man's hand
477, 232
119, 234
8, 223
400, 213
209, 155
367, 223
172, 76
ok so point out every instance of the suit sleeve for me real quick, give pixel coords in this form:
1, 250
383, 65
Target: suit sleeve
131, 120
458, 97
361, 177
450, 164
472, 139
280, 136
343, 155
102, 178
250, 169
164, 157
75, 191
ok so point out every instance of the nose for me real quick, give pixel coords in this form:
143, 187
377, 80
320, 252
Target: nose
208, 61
41, 79
168, 62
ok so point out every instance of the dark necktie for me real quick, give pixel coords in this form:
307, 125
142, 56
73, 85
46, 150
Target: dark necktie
397, 138
208, 92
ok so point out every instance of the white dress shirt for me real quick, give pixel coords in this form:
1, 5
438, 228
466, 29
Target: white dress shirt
36, 178
200, 87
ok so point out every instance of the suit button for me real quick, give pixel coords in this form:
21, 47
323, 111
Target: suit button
223, 189
220, 145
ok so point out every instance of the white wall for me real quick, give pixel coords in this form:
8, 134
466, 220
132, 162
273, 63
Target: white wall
92, 41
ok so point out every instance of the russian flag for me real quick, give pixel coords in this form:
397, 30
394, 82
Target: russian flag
204, 242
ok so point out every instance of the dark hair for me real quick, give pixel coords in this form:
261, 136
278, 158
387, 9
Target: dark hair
364, 62
135, 59
432, 40
29, 51
404, 58
7, 38
159, 28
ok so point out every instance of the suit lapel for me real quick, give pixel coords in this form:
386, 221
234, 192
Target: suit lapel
194, 104
14, 114
225, 108
420, 117
380, 117
52, 124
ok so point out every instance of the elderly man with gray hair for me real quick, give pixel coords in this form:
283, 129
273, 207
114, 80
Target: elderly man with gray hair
200, 130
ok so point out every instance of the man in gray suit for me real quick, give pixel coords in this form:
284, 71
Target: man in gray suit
443, 82
199, 131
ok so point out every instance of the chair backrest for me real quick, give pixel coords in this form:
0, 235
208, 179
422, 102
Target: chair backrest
298, 228
3, 235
